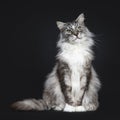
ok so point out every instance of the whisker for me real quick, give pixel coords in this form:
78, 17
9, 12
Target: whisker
98, 42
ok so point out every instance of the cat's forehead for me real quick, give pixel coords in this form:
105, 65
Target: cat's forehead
72, 25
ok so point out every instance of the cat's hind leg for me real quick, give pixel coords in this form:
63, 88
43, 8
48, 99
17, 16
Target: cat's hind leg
90, 102
54, 100
90, 99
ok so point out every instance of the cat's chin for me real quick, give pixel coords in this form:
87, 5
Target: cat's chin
75, 41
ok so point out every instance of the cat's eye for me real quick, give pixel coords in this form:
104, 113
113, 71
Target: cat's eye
68, 30
79, 27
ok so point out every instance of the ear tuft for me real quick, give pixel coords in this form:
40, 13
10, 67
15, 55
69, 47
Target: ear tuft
80, 18
60, 25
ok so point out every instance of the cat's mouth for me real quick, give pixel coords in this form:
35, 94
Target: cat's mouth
75, 38
78, 38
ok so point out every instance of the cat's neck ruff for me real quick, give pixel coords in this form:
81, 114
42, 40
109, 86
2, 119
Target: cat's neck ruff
75, 53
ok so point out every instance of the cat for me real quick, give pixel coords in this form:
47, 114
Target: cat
73, 84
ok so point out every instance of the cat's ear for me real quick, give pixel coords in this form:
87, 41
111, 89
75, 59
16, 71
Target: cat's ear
60, 25
80, 18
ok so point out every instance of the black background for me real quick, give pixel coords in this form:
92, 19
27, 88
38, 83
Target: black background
29, 33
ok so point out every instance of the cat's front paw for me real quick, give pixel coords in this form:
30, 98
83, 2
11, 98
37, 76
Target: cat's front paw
69, 108
80, 109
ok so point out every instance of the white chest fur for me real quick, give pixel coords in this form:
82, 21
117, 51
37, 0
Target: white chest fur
76, 56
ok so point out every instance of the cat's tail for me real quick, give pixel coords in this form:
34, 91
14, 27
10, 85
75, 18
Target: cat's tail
30, 104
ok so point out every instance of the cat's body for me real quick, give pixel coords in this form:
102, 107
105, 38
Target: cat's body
73, 84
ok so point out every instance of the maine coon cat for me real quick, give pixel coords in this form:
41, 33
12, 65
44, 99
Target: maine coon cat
73, 84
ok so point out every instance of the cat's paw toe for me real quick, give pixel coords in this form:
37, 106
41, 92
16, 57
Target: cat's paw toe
69, 108
59, 107
91, 107
80, 109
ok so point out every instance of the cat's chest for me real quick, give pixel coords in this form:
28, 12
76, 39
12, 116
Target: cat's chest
75, 55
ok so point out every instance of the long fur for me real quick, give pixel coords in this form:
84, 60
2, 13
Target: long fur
76, 58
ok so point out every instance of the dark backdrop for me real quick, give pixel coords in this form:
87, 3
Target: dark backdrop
30, 34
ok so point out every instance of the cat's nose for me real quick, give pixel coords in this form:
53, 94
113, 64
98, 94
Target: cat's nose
76, 33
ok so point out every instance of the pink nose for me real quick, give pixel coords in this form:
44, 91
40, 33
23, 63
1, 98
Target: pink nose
76, 33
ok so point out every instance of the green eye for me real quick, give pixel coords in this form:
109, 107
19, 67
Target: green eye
79, 27
68, 30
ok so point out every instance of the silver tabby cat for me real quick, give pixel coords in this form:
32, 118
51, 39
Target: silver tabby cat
73, 85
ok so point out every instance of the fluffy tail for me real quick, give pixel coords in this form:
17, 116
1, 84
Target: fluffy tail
30, 104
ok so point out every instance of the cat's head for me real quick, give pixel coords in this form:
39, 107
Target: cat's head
75, 31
